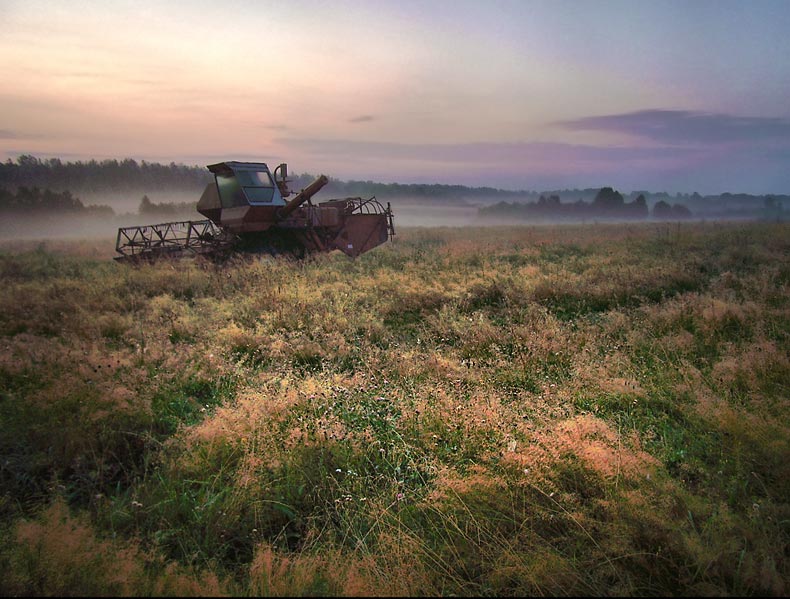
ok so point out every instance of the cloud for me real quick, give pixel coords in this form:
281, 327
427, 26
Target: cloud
681, 126
365, 118
484, 152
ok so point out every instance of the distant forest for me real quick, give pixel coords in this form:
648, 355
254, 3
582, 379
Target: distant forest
96, 177
607, 204
32, 183
129, 175
37, 201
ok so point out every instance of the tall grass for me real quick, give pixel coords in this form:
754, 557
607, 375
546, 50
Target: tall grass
539, 410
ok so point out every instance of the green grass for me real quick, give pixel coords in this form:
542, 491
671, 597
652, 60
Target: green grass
541, 410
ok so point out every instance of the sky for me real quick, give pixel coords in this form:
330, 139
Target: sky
639, 94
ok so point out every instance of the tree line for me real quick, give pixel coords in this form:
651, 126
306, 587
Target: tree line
100, 176
131, 176
607, 204
149, 208
37, 201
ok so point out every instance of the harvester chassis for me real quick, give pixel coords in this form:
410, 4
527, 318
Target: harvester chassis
178, 239
248, 209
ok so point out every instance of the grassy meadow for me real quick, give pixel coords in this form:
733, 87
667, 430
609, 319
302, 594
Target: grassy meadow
589, 409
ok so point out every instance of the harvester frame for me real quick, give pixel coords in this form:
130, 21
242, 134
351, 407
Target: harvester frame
246, 210
201, 237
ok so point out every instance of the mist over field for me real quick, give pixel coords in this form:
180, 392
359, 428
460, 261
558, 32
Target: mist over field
57, 226
51, 198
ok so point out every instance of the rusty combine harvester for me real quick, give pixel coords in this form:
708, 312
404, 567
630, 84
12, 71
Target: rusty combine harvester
246, 210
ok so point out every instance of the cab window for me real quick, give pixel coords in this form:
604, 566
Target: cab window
230, 192
257, 185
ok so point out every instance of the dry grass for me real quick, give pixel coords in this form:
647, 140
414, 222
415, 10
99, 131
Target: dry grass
543, 411
60, 554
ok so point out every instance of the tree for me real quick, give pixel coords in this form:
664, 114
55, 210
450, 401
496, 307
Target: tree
662, 209
638, 207
773, 209
146, 206
608, 200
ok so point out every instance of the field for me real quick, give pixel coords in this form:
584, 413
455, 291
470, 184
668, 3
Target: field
591, 409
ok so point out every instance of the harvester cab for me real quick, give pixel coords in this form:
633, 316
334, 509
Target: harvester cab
249, 208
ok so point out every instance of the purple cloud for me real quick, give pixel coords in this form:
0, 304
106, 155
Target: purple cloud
365, 118
682, 126
484, 152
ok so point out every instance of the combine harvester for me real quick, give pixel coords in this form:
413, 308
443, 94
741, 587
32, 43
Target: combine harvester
247, 211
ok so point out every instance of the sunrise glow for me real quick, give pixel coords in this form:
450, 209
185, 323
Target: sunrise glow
662, 95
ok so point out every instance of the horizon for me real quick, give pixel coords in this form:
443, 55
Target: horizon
518, 96
624, 192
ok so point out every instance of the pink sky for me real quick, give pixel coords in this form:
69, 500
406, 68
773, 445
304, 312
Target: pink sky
660, 95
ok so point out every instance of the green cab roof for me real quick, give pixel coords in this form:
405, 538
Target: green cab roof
230, 167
